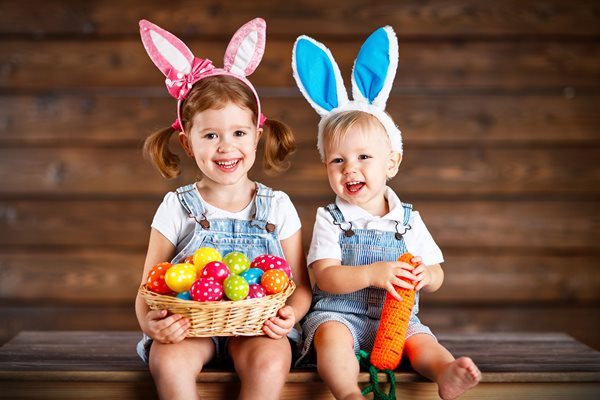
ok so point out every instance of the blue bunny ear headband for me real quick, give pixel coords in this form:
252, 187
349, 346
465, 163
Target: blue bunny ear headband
320, 81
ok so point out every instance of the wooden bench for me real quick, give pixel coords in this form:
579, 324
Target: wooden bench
92, 365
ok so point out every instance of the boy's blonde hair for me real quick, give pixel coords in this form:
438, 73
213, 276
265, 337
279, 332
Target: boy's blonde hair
337, 126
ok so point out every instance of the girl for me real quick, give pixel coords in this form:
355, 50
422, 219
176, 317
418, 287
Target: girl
357, 239
220, 123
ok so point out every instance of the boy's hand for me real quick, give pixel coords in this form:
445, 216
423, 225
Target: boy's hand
280, 325
166, 329
387, 274
422, 274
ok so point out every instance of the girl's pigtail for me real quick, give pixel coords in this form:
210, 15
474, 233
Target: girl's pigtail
279, 143
156, 149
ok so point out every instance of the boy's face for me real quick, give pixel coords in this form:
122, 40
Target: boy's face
358, 166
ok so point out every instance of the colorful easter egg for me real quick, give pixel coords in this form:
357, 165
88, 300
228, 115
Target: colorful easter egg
180, 277
184, 295
206, 289
274, 281
204, 255
216, 270
156, 278
236, 288
269, 261
253, 275
236, 262
256, 291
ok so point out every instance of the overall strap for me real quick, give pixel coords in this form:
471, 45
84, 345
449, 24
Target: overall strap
262, 207
407, 210
338, 219
400, 231
190, 201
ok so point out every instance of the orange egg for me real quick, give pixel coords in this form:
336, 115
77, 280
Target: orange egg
274, 281
156, 278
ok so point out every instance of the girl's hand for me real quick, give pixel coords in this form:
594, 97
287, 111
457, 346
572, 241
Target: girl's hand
280, 325
387, 274
422, 273
166, 329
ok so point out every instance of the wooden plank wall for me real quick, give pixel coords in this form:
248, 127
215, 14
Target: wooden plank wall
497, 101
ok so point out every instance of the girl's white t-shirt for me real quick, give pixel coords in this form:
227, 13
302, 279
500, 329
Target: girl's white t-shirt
326, 244
174, 223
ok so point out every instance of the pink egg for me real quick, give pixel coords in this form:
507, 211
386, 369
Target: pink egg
216, 270
269, 261
206, 289
256, 291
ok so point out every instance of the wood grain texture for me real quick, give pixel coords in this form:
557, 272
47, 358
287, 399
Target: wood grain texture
550, 226
467, 65
497, 103
109, 277
454, 119
458, 171
43, 364
580, 322
412, 17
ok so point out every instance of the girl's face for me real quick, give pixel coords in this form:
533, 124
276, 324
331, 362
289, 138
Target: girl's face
358, 166
223, 142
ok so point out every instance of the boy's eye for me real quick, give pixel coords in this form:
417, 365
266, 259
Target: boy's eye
337, 160
364, 157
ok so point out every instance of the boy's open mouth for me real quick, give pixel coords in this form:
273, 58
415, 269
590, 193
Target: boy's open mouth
354, 187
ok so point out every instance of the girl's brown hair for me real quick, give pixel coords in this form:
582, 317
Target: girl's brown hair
213, 93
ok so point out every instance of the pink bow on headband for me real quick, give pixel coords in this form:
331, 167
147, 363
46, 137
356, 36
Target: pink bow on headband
180, 84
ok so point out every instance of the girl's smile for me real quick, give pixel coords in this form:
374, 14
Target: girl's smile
228, 165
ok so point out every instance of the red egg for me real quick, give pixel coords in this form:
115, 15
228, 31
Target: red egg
156, 278
274, 281
216, 270
269, 261
256, 291
206, 289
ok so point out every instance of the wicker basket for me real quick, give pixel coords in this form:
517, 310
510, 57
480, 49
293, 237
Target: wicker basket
221, 318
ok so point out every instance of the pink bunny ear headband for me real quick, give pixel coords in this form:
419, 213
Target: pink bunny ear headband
182, 69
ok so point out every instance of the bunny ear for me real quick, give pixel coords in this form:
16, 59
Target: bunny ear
165, 49
246, 48
318, 75
375, 68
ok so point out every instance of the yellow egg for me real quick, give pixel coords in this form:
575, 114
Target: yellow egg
204, 255
180, 277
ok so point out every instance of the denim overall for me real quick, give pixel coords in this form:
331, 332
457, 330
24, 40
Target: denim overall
252, 237
359, 311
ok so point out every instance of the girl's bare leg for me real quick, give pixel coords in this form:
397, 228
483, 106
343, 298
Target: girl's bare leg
175, 366
262, 364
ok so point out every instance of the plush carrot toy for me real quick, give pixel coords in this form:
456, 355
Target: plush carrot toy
389, 342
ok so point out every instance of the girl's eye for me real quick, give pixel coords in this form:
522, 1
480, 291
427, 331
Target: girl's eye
210, 135
239, 133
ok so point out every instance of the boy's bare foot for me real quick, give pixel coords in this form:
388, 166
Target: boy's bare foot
459, 376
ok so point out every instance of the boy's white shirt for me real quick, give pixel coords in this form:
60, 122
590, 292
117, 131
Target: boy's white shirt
325, 241
174, 223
